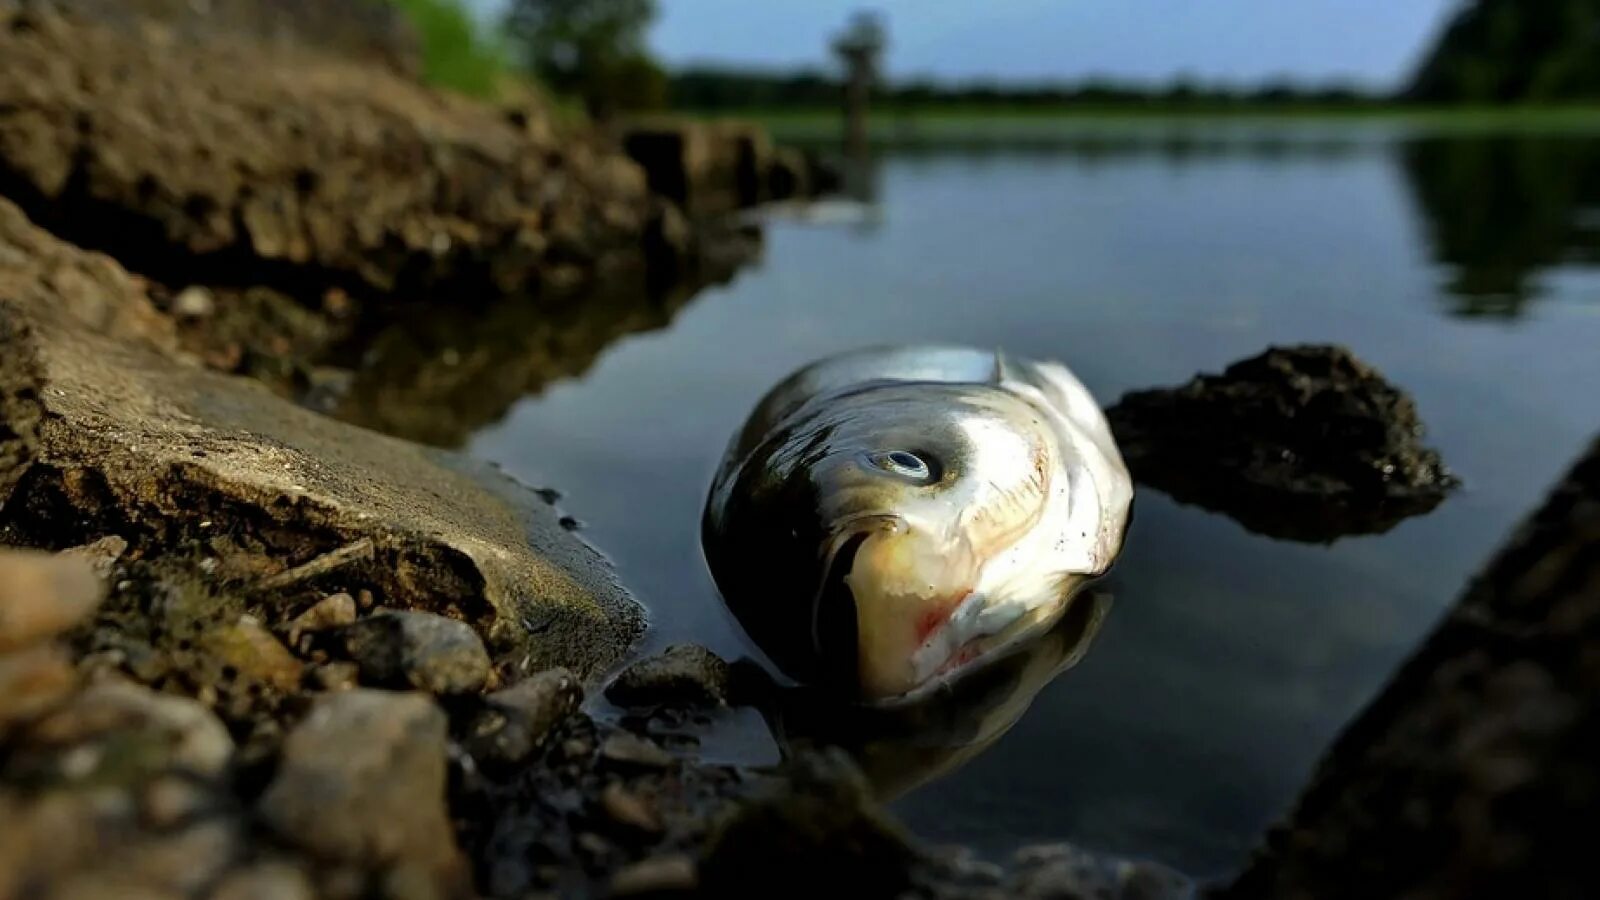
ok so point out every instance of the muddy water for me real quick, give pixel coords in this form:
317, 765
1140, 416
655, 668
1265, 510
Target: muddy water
1463, 266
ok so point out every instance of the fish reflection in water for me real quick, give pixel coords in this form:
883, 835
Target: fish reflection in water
902, 748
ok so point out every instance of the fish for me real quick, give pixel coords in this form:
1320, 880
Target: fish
891, 518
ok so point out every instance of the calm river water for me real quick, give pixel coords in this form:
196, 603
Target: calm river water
1462, 265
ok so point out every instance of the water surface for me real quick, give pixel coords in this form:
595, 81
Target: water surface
1462, 265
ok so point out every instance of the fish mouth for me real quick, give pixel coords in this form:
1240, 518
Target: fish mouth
835, 632
976, 632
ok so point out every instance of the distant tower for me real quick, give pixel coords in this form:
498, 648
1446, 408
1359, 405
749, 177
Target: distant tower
860, 47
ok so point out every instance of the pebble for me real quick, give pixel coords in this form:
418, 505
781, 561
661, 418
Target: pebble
515, 722
683, 675
630, 809
101, 555
362, 780
186, 734
194, 303
335, 676
420, 650
265, 881
333, 611
42, 595
627, 749
32, 682
657, 875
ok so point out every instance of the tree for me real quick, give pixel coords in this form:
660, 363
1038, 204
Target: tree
1515, 51
592, 49
860, 48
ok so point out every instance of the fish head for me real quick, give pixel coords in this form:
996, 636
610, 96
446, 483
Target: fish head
886, 510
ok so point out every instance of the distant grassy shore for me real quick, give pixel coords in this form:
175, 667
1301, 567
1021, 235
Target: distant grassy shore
1001, 125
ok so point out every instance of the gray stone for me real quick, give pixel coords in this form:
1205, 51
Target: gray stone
1066, 872
362, 780
420, 650
123, 729
516, 721
683, 675
116, 428
32, 682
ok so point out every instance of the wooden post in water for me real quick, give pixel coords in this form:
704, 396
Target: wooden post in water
859, 47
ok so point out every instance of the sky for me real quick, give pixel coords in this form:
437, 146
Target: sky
1371, 42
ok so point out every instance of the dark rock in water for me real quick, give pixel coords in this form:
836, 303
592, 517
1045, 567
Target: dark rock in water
1307, 443
1473, 773
515, 722
106, 428
363, 781
816, 833
420, 650
683, 675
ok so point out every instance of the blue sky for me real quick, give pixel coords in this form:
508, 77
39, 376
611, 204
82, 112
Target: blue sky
1375, 42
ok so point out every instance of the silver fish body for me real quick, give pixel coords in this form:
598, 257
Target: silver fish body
889, 518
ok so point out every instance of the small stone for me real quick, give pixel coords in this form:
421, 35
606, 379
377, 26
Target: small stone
515, 722
683, 675
170, 800
32, 682
419, 650
194, 303
657, 875
175, 732
362, 780
256, 653
42, 595
575, 749
629, 809
1063, 870
333, 611
335, 676
101, 555
265, 881
627, 749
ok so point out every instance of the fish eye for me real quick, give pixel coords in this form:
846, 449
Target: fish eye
905, 464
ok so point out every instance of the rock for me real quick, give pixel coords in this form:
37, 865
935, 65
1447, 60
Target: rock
631, 751
656, 876
629, 809
362, 780
1307, 443
250, 648
333, 611
102, 555
43, 595
1466, 774
121, 730
32, 682
265, 881
114, 429
515, 722
683, 675
419, 650
815, 832
1065, 872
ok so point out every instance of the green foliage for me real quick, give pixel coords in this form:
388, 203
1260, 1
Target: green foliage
456, 54
591, 49
1515, 51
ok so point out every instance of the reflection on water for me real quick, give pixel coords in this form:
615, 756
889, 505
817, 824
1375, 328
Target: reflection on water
902, 748
1230, 660
1502, 210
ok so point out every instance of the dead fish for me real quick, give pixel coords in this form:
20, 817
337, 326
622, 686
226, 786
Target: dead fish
891, 518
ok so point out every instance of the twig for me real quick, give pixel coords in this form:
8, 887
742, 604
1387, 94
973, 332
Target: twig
359, 551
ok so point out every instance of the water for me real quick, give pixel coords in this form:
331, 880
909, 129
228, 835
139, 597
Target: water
1463, 266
